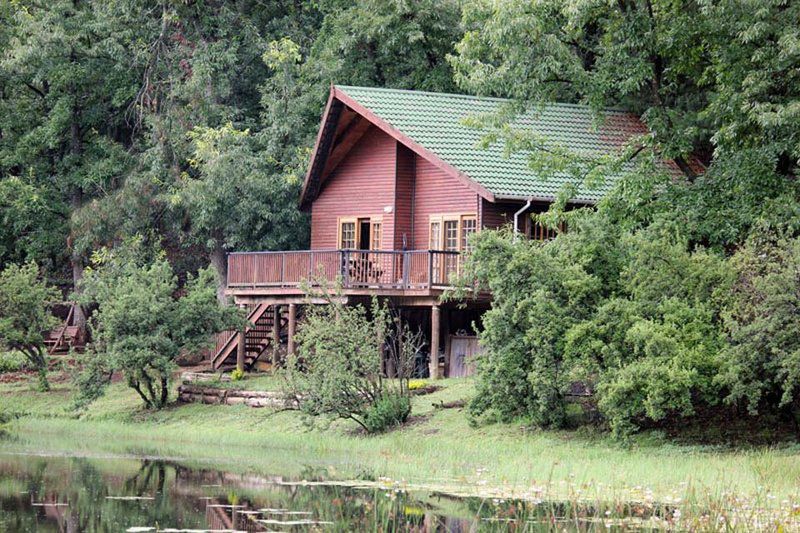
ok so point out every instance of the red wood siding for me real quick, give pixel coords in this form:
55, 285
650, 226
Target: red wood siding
436, 192
360, 186
404, 199
380, 172
498, 215
494, 216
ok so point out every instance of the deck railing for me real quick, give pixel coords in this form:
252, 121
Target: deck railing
416, 269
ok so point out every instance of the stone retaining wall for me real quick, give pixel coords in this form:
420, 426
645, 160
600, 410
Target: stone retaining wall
189, 393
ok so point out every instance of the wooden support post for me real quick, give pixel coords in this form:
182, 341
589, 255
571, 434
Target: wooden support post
276, 334
447, 332
292, 328
434, 362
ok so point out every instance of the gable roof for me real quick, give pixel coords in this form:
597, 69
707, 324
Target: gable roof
432, 124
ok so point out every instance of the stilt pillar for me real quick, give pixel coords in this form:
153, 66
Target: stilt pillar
435, 321
276, 335
290, 348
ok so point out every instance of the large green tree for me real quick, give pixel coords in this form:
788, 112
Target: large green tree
714, 82
64, 95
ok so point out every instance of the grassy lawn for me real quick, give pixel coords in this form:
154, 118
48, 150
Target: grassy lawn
437, 450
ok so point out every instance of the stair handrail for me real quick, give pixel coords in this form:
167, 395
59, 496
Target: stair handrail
234, 333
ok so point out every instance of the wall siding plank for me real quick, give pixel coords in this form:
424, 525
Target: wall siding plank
361, 185
436, 192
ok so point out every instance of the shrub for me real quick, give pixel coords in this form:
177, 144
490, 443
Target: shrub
237, 374
337, 371
632, 315
5, 419
761, 365
387, 412
416, 384
12, 361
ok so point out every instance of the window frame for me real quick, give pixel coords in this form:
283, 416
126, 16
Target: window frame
442, 219
374, 220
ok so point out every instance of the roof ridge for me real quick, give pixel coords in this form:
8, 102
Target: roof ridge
473, 97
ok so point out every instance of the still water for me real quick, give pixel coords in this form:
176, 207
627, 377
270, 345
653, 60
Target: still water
61, 493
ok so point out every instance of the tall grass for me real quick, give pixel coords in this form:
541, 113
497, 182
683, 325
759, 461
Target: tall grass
438, 449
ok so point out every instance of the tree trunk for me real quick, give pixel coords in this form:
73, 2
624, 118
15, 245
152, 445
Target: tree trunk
76, 203
220, 264
164, 391
78, 316
135, 385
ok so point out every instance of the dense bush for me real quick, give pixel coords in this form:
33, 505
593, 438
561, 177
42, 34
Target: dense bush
25, 300
12, 361
633, 315
761, 363
5, 419
387, 412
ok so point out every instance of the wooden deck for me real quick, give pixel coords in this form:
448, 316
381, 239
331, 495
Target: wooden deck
416, 273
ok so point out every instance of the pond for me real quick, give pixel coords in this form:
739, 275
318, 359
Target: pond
58, 492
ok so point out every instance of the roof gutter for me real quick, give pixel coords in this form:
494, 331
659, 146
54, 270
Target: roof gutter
518, 198
517, 214
543, 199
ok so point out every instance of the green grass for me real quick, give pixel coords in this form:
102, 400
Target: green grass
437, 450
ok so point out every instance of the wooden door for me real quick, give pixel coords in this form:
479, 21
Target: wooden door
463, 349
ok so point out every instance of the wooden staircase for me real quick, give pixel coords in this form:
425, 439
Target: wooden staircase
65, 337
258, 338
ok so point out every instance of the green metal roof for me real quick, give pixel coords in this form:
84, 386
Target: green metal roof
436, 122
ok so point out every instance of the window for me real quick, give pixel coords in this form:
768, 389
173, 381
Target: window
451, 232
451, 235
376, 235
347, 235
436, 235
359, 233
469, 225
538, 232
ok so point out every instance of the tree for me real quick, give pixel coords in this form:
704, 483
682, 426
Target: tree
144, 321
25, 318
64, 96
235, 200
761, 364
713, 82
631, 316
338, 370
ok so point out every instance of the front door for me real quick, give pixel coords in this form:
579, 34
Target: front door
364, 234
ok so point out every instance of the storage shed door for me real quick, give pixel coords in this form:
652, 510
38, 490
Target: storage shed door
463, 350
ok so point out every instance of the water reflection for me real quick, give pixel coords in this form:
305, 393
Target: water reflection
78, 494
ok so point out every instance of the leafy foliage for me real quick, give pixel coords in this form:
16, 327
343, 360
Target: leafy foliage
762, 362
338, 370
12, 361
632, 316
234, 199
25, 301
632, 302
141, 326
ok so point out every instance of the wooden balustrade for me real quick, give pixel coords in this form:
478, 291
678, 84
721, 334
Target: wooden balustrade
417, 269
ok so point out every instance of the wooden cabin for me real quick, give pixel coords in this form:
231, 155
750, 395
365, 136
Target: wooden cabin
396, 184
